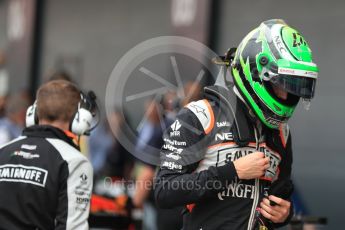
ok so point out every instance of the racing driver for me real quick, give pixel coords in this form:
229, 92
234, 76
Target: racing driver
228, 157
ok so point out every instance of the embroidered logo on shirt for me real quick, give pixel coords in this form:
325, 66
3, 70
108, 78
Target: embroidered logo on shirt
23, 174
25, 155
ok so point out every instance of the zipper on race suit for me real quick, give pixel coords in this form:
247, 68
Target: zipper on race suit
256, 188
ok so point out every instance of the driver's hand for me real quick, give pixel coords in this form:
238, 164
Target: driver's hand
252, 166
277, 213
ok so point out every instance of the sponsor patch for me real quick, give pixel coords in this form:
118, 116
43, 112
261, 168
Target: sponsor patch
171, 165
175, 142
224, 137
83, 179
175, 127
25, 155
23, 174
82, 200
29, 147
81, 193
199, 110
236, 153
279, 44
272, 172
173, 156
172, 148
202, 109
222, 154
297, 72
223, 124
237, 189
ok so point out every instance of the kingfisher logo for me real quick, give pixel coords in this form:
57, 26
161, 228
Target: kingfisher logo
175, 127
239, 189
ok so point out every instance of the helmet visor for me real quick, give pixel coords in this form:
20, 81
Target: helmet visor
297, 85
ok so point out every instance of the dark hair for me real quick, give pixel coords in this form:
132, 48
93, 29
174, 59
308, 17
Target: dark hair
57, 100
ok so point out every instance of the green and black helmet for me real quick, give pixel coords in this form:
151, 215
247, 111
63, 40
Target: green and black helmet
274, 55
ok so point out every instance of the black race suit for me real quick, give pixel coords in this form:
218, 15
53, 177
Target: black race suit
45, 182
197, 167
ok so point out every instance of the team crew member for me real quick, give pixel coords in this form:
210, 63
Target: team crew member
228, 157
45, 182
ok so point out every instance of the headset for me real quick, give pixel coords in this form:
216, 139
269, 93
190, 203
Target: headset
81, 122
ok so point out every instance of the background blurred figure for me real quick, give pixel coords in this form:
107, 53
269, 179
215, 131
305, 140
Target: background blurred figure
119, 162
170, 105
150, 135
100, 143
13, 123
149, 141
107, 155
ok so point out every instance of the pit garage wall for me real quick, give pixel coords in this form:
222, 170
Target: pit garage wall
318, 134
16, 38
88, 38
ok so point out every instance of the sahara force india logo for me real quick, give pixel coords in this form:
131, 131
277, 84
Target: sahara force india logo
23, 174
175, 129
